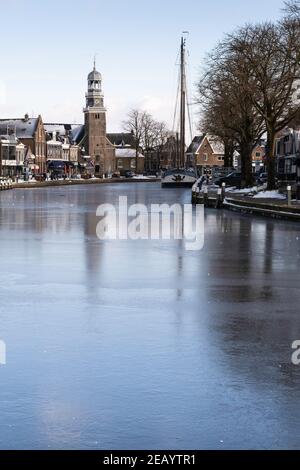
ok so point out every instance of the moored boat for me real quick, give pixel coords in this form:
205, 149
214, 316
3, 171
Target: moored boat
180, 177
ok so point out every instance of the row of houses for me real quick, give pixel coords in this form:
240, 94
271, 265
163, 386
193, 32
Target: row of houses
288, 156
30, 146
207, 151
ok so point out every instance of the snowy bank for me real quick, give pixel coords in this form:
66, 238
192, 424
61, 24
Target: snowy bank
269, 195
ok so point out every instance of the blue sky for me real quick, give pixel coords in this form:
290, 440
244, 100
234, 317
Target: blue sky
48, 48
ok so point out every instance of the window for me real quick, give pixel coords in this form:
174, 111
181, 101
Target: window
205, 157
132, 163
288, 166
258, 154
220, 159
120, 163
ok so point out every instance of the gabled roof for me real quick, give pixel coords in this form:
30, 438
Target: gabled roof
216, 145
195, 145
74, 132
78, 133
122, 139
24, 128
127, 153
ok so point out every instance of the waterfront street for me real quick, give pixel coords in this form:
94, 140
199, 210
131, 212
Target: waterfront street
141, 344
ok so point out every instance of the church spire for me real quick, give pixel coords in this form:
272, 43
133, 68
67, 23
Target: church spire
94, 95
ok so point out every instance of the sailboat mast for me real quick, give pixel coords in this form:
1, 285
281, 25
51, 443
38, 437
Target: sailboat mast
182, 103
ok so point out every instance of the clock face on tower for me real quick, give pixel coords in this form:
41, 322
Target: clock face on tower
97, 101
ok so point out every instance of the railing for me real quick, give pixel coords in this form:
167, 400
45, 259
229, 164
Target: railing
5, 184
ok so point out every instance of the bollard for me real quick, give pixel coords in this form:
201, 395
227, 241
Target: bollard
289, 194
223, 192
298, 192
205, 196
197, 194
219, 199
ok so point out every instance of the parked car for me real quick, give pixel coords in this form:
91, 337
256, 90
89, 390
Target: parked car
262, 178
129, 174
116, 174
233, 179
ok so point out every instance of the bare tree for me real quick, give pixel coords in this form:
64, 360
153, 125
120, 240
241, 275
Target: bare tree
162, 135
150, 135
291, 8
135, 123
271, 52
228, 111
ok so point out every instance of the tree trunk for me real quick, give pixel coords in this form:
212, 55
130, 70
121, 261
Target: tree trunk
246, 164
270, 158
228, 154
136, 159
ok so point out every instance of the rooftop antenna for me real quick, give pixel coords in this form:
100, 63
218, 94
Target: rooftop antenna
95, 60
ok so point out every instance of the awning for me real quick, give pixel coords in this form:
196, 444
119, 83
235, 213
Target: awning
57, 165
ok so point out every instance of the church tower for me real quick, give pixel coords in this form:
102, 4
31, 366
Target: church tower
95, 123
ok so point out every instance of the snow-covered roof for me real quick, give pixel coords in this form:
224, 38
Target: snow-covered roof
122, 139
9, 138
127, 153
73, 131
24, 128
54, 142
216, 145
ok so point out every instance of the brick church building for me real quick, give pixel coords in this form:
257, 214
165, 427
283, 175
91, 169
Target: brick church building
86, 146
95, 142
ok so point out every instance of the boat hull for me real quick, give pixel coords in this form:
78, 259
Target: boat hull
178, 179
186, 184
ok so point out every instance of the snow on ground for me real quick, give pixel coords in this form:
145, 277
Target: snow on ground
243, 191
269, 195
232, 189
140, 177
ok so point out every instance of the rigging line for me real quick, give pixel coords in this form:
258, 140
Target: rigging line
190, 110
187, 104
190, 120
176, 103
175, 87
177, 90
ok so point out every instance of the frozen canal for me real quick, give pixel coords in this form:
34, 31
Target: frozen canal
142, 344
